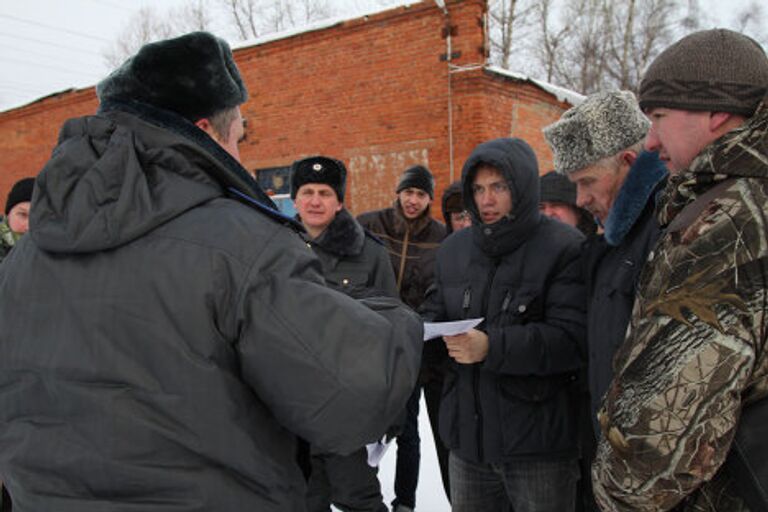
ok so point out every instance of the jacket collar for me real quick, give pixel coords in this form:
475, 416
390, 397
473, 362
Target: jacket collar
642, 181
739, 153
344, 236
415, 226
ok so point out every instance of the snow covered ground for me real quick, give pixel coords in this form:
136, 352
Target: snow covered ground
430, 496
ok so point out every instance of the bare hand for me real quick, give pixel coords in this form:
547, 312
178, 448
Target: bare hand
467, 348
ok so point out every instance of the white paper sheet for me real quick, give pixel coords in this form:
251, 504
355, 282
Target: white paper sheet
438, 329
376, 451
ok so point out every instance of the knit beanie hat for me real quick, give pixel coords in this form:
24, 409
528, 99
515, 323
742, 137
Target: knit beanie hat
319, 169
20, 193
193, 75
715, 70
604, 124
419, 177
556, 188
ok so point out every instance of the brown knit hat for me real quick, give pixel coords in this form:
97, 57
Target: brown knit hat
715, 70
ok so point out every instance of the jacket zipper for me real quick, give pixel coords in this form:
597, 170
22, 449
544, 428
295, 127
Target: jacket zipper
476, 370
403, 254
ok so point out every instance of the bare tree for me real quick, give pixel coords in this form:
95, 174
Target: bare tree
191, 16
253, 18
506, 18
591, 45
550, 41
243, 16
143, 27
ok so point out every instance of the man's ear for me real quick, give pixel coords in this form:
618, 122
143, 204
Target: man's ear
628, 157
718, 119
205, 125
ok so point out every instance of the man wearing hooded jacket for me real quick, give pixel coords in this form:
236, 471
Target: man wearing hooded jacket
508, 414
172, 333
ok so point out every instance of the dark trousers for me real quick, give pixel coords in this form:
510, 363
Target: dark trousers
409, 441
522, 486
346, 481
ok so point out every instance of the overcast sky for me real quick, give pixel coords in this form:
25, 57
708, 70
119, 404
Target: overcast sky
47, 46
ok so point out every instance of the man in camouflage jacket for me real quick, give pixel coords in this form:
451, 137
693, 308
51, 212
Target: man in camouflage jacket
695, 353
7, 238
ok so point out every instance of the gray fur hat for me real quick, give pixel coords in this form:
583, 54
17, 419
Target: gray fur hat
604, 124
193, 75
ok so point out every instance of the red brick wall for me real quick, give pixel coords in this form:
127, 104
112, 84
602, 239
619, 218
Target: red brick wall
372, 91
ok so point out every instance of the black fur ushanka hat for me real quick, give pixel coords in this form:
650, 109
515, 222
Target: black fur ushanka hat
193, 75
319, 169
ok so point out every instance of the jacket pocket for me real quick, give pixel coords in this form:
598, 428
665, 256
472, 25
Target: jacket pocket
521, 307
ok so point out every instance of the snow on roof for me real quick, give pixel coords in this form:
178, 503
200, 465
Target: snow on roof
319, 25
561, 93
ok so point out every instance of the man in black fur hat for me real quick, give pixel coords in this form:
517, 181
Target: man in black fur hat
176, 336
412, 237
355, 263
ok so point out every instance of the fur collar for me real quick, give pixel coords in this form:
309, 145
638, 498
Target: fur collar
343, 237
642, 181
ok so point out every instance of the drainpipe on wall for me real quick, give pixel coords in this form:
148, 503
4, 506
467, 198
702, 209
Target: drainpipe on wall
447, 29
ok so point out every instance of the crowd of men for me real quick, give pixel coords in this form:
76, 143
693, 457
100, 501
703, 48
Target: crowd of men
170, 341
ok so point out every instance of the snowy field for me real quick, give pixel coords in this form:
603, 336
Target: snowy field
430, 496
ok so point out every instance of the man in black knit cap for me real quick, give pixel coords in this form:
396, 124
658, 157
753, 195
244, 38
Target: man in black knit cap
16, 220
558, 201
412, 237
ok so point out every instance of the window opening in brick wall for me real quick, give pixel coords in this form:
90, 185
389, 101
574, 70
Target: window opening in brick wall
276, 182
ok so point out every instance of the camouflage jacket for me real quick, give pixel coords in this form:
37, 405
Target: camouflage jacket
695, 349
7, 238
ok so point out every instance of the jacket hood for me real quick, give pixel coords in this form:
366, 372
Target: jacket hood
114, 177
517, 162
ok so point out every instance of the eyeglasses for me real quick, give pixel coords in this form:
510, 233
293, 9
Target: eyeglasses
462, 215
496, 188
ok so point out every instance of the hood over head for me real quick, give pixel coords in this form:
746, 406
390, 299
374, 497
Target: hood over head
517, 162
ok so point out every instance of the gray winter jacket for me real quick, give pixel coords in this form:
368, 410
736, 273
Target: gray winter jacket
167, 341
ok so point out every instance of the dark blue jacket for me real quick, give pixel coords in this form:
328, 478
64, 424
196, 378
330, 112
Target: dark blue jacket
613, 262
522, 275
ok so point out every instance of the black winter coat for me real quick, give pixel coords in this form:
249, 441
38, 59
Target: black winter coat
613, 262
354, 262
522, 275
412, 246
167, 342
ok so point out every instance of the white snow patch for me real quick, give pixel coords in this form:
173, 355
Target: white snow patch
561, 93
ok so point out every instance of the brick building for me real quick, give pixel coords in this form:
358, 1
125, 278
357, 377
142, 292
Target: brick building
381, 92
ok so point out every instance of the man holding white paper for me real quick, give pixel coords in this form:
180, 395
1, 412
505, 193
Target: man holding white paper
508, 414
